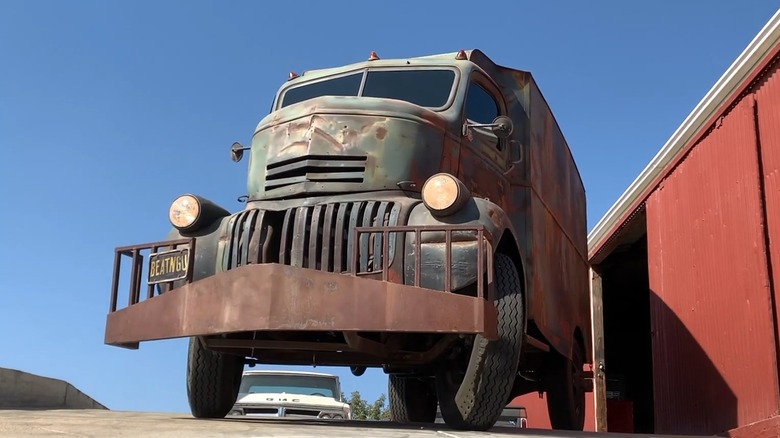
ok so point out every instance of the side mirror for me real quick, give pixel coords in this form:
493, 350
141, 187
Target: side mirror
237, 151
501, 127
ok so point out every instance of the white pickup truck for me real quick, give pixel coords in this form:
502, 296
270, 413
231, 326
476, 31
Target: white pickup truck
290, 394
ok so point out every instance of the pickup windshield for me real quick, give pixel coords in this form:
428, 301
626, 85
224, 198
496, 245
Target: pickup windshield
428, 88
304, 385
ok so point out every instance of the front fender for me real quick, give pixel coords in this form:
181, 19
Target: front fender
207, 248
477, 211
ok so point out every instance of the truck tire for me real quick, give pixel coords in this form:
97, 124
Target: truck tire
564, 383
474, 392
412, 400
213, 380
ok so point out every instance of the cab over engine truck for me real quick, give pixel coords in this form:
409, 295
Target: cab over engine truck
422, 215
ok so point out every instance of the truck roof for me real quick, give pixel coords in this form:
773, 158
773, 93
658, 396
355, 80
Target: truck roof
440, 59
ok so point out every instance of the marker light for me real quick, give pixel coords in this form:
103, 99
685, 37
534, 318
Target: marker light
461, 55
373, 56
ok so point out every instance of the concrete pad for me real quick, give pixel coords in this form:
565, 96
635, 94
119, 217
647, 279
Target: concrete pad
104, 423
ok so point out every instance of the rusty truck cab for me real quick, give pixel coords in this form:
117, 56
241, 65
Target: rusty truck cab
394, 218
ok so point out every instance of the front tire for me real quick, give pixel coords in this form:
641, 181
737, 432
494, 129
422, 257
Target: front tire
473, 392
412, 400
213, 380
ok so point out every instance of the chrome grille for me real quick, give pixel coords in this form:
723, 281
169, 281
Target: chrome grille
248, 238
319, 237
316, 237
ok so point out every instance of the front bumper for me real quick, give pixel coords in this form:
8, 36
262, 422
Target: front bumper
274, 297
304, 412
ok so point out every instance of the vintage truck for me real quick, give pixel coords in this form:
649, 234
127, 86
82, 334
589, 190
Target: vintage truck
291, 395
423, 215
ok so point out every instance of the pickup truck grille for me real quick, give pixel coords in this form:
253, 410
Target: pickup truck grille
316, 237
315, 168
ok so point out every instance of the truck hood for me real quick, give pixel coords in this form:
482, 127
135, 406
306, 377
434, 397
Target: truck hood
345, 144
277, 399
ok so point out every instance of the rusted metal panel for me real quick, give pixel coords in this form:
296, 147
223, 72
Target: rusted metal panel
289, 298
767, 94
557, 232
285, 297
713, 335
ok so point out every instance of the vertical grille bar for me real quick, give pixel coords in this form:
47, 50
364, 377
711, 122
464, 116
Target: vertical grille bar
380, 238
297, 252
338, 247
246, 234
364, 248
314, 237
327, 239
236, 239
226, 260
354, 221
255, 253
284, 245
392, 220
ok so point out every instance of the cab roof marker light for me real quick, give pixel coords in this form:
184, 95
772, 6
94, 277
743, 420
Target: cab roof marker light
373, 56
292, 76
461, 55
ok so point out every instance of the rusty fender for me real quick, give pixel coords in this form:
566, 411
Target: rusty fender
207, 248
477, 211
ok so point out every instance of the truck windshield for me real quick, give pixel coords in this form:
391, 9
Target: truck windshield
428, 88
304, 385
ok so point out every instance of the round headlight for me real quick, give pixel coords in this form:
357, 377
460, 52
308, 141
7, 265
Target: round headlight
444, 194
184, 211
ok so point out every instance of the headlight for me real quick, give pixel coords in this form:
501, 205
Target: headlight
192, 212
184, 212
444, 194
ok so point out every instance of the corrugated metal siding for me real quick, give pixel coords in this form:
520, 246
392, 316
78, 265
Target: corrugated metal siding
713, 336
768, 103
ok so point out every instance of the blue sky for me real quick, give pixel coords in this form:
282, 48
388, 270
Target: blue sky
109, 110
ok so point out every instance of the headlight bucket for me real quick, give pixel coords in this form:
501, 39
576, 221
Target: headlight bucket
444, 194
189, 213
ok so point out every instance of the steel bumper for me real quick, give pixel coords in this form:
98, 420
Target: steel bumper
273, 297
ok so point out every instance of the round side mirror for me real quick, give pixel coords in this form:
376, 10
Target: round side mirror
236, 152
502, 127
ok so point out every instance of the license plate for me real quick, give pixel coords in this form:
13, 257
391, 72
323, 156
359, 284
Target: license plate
168, 265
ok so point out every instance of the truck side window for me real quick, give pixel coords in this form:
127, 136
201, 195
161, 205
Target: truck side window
480, 105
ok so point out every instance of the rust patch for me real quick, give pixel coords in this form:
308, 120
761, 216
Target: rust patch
381, 133
289, 298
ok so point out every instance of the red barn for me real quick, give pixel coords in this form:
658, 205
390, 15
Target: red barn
686, 271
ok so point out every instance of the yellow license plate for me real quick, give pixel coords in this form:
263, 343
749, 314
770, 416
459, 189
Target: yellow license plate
169, 265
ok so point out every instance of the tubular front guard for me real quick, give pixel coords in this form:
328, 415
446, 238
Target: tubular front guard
272, 296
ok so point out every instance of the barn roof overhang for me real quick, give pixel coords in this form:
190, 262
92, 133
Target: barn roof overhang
623, 222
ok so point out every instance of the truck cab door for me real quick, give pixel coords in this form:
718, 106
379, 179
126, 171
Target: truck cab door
483, 157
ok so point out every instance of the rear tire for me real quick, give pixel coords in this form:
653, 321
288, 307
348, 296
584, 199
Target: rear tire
412, 400
213, 380
474, 392
565, 384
